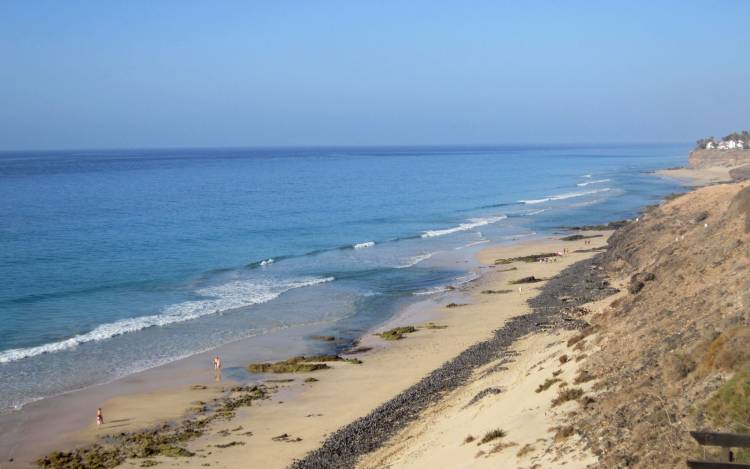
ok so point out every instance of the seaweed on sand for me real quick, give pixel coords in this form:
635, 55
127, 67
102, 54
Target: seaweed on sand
529, 258
300, 364
164, 440
397, 333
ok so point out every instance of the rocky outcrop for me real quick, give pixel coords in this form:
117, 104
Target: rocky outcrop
740, 174
727, 158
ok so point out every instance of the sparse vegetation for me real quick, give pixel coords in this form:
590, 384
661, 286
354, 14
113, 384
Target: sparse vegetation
547, 384
580, 336
528, 448
562, 433
563, 358
496, 292
492, 435
727, 352
468, 439
455, 305
677, 366
502, 445
730, 405
567, 394
583, 376
230, 444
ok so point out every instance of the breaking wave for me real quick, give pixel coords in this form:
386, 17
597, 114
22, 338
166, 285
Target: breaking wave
473, 223
415, 260
569, 195
368, 244
219, 299
597, 181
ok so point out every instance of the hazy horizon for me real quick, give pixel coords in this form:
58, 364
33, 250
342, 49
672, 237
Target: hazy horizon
350, 146
242, 75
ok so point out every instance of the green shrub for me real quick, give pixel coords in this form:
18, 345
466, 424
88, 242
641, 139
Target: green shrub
492, 435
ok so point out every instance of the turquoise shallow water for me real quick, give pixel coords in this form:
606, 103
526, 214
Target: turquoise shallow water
117, 261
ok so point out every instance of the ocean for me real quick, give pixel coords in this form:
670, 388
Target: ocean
116, 261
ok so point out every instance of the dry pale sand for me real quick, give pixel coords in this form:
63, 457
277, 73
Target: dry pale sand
698, 177
440, 439
311, 411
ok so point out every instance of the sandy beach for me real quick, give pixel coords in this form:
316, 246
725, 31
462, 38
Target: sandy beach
698, 176
307, 412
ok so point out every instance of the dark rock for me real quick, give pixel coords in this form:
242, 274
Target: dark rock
701, 217
529, 279
635, 287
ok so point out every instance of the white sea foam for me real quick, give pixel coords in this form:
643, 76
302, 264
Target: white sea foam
222, 298
432, 291
469, 277
266, 262
586, 176
481, 241
415, 260
597, 181
464, 279
569, 195
587, 203
368, 244
534, 212
535, 201
473, 223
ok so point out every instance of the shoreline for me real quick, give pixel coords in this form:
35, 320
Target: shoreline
467, 325
345, 447
63, 420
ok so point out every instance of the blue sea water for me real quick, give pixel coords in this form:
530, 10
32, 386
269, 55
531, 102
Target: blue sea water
117, 261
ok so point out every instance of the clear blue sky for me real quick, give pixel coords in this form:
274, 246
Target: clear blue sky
114, 74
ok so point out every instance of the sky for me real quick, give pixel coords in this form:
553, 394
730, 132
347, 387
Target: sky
141, 74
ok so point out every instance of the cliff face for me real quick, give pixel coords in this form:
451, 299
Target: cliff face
707, 158
672, 352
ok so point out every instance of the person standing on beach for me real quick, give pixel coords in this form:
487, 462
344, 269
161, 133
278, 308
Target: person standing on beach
99, 417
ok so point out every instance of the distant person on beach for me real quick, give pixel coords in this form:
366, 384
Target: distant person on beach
217, 369
99, 416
